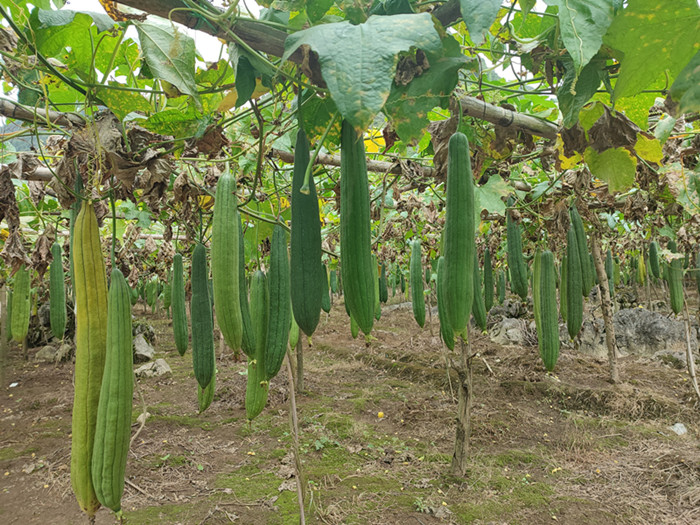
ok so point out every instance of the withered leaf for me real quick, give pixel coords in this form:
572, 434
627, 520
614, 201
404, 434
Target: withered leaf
612, 130
41, 256
9, 211
13, 252
440, 133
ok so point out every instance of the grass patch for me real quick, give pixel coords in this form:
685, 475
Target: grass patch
330, 461
249, 483
156, 461
513, 457
184, 513
8, 453
184, 421
508, 496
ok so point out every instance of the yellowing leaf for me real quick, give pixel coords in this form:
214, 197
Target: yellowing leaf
229, 101
231, 97
374, 143
648, 148
259, 90
565, 162
205, 201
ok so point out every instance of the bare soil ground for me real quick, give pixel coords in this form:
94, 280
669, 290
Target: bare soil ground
567, 448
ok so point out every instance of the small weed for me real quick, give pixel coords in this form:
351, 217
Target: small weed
421, 506
323, 442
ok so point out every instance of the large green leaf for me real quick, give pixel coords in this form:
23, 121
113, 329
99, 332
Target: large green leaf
66, 38
169, 55
63, 17
358, 61
686, 89
123, 102
573, 93
616, 166
178, 123
489, 196
317, 113
582, 24
654, 37
317, 8
391, 7
408, 106
478, 15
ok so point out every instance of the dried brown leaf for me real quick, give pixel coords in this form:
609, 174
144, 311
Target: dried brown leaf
612, 130
9, 211
41, 256
211, 143
182, 189
440, 133
13, 252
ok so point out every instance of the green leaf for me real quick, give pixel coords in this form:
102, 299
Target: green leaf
526, 6
132, 212
391, 7
169, 55
178, 123
353, 10
654, 37
245, 80
489, 196
125, 60
590, 115
358, 61
63, 17
29, 95
582, 24
408, 106
664, 128
573, 94
686, 89
616, 166
541, 188
123, 102
479, 15
259, 63
317, 114
315, 9
69, 41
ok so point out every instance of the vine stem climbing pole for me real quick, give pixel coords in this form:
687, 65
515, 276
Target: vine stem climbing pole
294, 427
3, 332
464, 408
689, 353
300, 365
430, 310
606, 306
